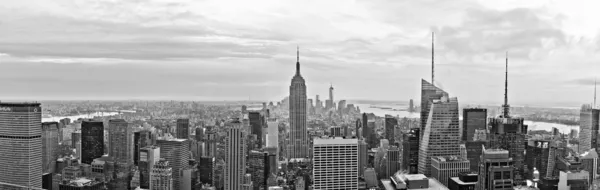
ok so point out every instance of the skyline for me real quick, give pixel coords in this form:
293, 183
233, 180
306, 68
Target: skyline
375, 50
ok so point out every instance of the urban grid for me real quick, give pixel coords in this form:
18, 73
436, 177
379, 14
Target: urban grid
303, 143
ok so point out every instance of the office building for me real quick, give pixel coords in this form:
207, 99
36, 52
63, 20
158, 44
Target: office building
445, 167
206, 169
258, 166
92, 140
574, 180
335, 131
411, 182
410, 151
176, 151
235, 158
441, 136
49, 146
81, 184
464, 181
335, 163
589, 122
20, 145
256, 126
495, 170
211, 143
474, 153
141, 139
393, 160
183, 129
199, 134
297, 146
148, 157
538, 153
120, 141
390, 125
161, 176
473, 119
429, 92
589, 161
362, 157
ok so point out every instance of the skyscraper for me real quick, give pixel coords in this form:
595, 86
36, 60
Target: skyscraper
176, 151
256, 126
331, 101
335, 163
162, 176
258, 166
509, 133
589, 123
298, 138
495, 170
211, 143
49, 146
20, 145
121, 141
206, 169
141, 139
148, 157
441, 136
183, 128
473, 119
390, 124
393, 160
92, 140
429, 92
410, 151
235, 158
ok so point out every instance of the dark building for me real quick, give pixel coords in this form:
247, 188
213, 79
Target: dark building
473, 118
365, 131
47, 181
258, 166
410, 151
538, 152
183, 128
474, 153
390, 124
206, 169
256, 126
92, 140
464, 181
141, 139
49, 146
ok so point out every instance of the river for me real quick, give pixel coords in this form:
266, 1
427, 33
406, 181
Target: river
75, 117
400, 110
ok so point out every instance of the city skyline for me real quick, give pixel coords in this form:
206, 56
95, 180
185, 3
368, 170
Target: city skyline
371, 45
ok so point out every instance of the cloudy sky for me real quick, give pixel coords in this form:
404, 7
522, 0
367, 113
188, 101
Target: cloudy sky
236, 50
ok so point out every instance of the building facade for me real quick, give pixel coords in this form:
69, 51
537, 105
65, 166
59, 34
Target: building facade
235, 158
390, 125
473, 119
588, 122
183, 129
92, 140
49, 146
410, 151
176, 151
297, 146
445, 167
495, 170
161, 176
148, 157
335, 163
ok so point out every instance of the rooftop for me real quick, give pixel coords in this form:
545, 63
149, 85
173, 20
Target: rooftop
460, 182
337, 140
19, 104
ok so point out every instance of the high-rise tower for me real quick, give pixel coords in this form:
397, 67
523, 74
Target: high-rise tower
298, 138
20, 145
92, 140
331, 101
235, 158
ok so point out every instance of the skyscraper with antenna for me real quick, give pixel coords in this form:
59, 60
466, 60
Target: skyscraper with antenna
509, 133
589, 119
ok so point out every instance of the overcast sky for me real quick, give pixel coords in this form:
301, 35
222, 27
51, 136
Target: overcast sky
236, 50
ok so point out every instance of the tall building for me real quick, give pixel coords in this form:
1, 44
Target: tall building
390, 124
256, 126
206, 169
92, 140
272, 133
589, 122
441, 136
429, 92
162, 176
298, 138
473, 119
410, 151
258, 166
120, 141
211, 143
148, 157
589, 160
183, 128
362, 157
393, 160
49, 146
335, 131
445, 167
335, 163
495, 170
538, 152
235, 158
141, 139
509, 133
199, 134
20, 145
176, 151
474, 153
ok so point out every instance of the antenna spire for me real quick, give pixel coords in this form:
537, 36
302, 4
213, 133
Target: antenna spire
594, 106
506, 106
297, 60
432, 59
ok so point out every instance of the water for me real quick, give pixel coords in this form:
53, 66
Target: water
401, 111
75, 117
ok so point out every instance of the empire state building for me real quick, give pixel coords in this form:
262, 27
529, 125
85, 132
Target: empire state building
297, 146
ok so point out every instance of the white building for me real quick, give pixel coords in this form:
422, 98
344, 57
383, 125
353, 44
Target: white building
335, 163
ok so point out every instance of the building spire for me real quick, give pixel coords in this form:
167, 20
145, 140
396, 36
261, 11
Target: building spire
432, 58
594, 106
297, 60
506, 107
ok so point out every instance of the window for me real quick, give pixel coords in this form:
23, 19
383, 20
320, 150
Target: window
497, 175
